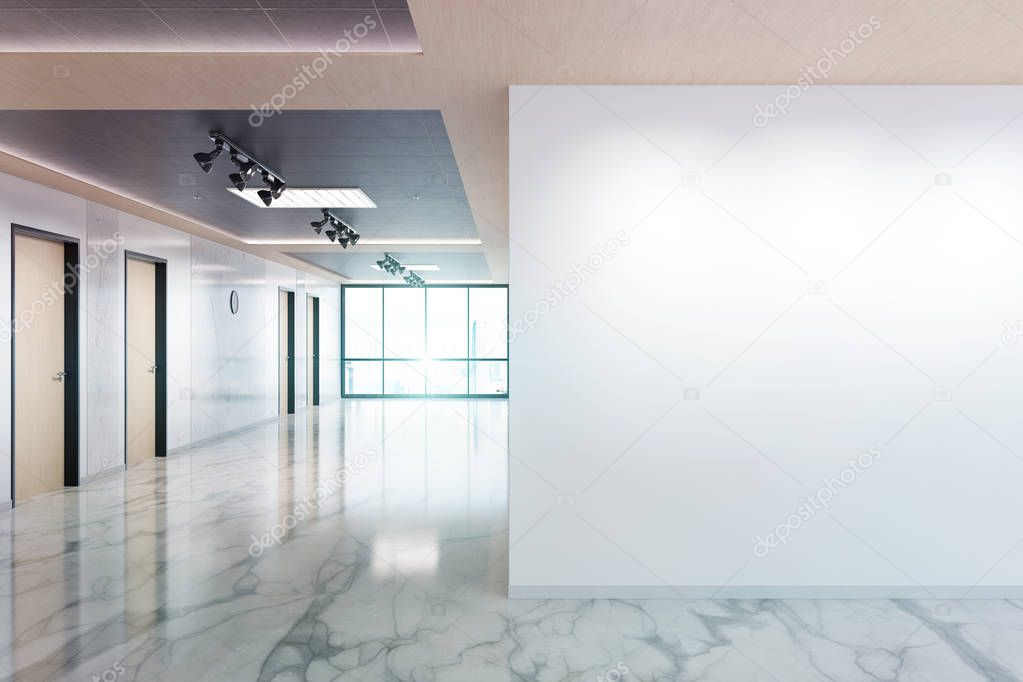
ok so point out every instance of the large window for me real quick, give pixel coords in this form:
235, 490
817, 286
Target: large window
439, 341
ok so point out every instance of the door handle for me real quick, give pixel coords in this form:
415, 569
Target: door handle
152, 369
60, 376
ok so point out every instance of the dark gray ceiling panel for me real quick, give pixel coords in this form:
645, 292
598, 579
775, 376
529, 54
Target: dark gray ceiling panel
206, 26
401, 159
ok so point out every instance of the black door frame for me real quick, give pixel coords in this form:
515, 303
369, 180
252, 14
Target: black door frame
290, 350
315, 360
161, 350
71, 384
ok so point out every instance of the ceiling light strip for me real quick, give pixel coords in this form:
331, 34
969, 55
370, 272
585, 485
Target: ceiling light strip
312, 197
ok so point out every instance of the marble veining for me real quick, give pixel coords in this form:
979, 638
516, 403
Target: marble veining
367, 540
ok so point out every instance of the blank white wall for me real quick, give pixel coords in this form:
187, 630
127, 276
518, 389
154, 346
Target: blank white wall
221, 367
760, 305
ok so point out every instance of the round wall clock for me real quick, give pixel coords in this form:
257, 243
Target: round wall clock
234, 302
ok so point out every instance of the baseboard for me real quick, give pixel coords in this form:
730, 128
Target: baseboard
116, 469
632, 592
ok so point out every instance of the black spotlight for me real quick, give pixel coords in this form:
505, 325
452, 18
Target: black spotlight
317, 225
343, 239
331, 234
245, 170
265, 194
275, 187
206, 159
353, 237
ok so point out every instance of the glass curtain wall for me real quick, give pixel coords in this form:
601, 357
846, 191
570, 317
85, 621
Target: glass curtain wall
434, 341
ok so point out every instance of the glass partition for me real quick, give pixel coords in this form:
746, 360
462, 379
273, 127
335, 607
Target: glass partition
435, 341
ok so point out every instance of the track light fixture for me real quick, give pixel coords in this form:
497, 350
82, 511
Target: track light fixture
247, 165
393, 266
339, 230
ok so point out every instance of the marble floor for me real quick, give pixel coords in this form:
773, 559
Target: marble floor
367, 541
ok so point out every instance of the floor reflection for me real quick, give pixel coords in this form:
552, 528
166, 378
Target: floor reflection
368, 541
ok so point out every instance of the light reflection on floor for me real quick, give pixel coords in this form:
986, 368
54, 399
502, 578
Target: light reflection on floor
368, 541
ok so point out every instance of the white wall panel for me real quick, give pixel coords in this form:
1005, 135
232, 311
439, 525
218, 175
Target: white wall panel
232, 360
102, 260
715, 317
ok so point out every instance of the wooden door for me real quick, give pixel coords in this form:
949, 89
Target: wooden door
285, 352
39, 371
140, 360
311, 361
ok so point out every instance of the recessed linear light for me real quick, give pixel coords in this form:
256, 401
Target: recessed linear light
299, 197
422, 268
